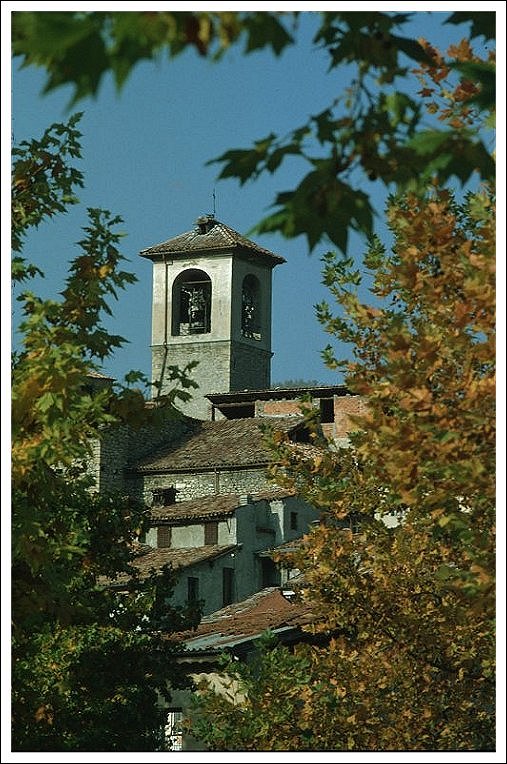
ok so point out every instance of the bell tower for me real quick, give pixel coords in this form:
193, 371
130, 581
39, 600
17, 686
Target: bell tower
212, 304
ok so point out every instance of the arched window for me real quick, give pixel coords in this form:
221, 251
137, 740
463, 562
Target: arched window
251, 308
191, 303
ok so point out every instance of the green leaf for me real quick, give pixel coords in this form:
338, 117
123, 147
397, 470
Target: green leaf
326, 126
429, 141
278, 155
411, 48
482, 22
474, 157
484, 74
239, 163
264, 29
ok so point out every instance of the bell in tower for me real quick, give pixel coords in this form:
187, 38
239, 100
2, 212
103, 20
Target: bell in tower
211, 304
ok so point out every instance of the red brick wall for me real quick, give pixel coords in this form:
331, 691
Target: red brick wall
343, 406
278, 408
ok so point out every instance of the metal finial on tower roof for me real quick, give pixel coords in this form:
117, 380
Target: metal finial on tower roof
214, 202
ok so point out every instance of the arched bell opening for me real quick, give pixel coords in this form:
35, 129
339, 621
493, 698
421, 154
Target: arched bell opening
251, 308
191, 301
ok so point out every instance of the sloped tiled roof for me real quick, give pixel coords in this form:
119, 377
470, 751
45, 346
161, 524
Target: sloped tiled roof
149, 559
227, 442
208, 507
271, 494
288, 547
217, 237
197, 509
246, 620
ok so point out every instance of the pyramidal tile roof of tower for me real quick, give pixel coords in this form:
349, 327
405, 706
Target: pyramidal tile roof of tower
209, 234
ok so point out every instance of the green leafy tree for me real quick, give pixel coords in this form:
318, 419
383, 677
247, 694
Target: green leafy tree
90, 668
374, 130
260, 696
408, 601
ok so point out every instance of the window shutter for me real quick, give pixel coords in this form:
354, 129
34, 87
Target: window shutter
164, 536
210, 533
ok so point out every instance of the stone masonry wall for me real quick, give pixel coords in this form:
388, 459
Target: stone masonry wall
93, 465
250, 367
121, 445
212, 372
196, 485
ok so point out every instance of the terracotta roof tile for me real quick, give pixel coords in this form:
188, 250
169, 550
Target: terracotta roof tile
227, 442
197, 509
207, 507
272, 494
267, 609
217, 237
149, 559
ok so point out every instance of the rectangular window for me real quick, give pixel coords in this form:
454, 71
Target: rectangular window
164, 536
210, 533
293, 521
228, 586
326, 410
192, 589
238, 411
270, 574
164, 497
173, 731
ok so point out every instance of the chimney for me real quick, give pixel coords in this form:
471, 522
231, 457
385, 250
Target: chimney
205, 223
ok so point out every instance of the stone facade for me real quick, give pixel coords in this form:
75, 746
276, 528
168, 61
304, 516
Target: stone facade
122, 445
250, 367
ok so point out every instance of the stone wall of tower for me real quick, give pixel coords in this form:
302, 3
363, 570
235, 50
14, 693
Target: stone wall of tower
226, 358
221, 367
212, 350
250, 368
262, 273
212, 373
218, 269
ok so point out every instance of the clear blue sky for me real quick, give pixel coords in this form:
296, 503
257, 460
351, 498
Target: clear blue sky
144, 158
